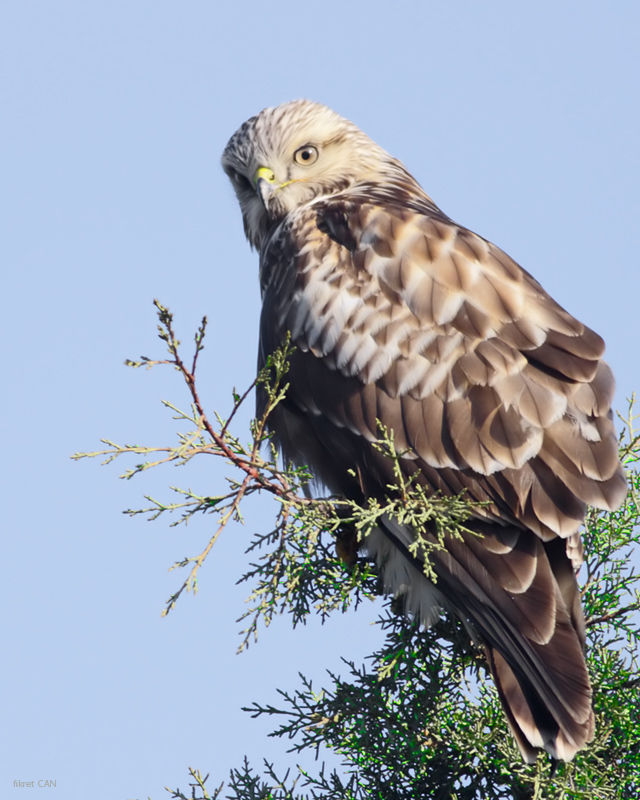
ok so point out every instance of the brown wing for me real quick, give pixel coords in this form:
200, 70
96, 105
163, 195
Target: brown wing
490, 387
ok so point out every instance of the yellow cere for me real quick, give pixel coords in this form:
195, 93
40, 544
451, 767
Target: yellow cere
266, 173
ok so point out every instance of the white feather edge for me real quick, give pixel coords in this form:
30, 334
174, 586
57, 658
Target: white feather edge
400, 577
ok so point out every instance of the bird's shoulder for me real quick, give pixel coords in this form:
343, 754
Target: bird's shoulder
404, 277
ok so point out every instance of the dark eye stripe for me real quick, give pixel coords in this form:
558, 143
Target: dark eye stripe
241, 181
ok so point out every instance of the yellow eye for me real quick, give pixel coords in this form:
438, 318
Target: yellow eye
306, 155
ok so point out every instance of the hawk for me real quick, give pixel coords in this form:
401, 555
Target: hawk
490, 388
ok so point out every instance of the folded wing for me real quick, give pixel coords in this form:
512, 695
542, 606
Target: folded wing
490, 388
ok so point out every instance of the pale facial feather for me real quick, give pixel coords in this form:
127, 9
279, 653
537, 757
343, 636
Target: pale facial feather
346, 157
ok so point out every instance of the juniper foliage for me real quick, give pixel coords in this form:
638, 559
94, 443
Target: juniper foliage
421, 718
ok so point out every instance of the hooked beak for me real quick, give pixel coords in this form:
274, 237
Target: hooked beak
266, 185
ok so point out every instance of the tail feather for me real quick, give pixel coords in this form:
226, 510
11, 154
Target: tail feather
531, 723
520, 596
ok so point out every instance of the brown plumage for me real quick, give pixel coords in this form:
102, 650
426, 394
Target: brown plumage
489, 386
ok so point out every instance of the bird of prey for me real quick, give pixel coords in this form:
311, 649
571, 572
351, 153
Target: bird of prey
490, 388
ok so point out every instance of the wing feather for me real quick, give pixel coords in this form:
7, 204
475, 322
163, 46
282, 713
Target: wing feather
402, 318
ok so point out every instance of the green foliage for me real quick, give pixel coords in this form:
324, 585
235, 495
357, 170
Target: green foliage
421, 718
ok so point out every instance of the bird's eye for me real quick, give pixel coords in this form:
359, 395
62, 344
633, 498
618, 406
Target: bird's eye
306, 155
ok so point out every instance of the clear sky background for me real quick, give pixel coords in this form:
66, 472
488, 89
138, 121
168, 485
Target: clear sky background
520, 120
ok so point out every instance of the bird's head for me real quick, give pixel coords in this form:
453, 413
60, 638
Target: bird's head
286, 156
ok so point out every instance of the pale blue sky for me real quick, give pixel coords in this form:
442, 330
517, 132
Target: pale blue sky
520, 120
